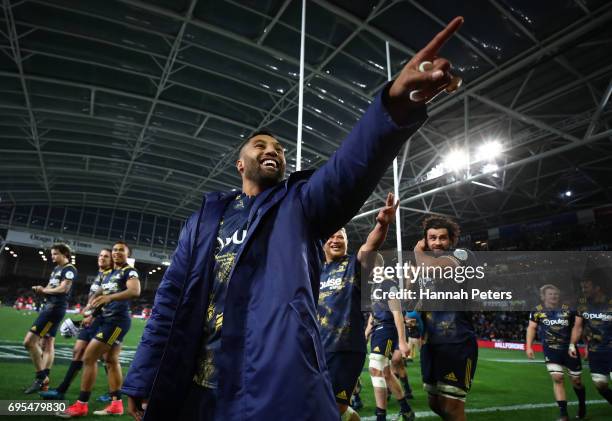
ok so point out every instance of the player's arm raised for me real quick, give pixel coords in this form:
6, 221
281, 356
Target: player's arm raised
353, 171
423, 257
377, 236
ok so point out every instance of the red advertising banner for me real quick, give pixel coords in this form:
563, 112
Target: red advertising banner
514, 346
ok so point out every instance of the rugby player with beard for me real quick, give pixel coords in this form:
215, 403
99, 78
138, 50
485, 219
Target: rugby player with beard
449, 352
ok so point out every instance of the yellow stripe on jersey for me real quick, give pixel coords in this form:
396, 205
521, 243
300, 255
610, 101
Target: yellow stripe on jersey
468, 373
388, 348
46, 329
114, 336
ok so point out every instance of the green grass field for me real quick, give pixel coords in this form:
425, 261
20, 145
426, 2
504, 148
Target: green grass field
504, 379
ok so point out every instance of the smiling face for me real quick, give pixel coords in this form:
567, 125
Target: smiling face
120, 254
438, 240
336, 246
262, 161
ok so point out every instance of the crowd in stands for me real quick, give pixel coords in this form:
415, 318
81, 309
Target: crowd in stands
16, 291
501, 325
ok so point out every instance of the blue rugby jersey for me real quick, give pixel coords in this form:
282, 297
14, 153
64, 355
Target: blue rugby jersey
115, 282
58, 274
231, 234
597, 323
339, 311
554, 326
97, 282
381, 313
442, 327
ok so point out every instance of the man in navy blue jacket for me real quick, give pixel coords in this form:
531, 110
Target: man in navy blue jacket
233, 333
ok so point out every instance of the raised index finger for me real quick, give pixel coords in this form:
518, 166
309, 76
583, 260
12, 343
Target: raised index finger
389, 202
440, 39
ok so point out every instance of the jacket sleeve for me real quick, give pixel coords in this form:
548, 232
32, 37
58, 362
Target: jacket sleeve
337, 190
143, 369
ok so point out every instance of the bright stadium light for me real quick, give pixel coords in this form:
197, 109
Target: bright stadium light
456, 160
40, 252
489, 151
435, 172
7, 248
568, 193
489, 168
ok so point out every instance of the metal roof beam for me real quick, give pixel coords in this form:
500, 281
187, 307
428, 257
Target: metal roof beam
524, 118
597, 115
190, 44
547, 47
547, 154
563, 62
458, 35
268, 28
119, 148
223, 164
13, 38
163, 184
102, 202
116, 160
161, 86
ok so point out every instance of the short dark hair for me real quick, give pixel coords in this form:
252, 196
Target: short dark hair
439, 222
107, 249
264, 131
126, 245
62, 249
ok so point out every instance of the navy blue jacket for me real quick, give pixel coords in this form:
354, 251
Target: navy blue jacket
272, 363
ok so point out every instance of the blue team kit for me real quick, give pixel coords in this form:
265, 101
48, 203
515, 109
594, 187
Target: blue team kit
273, 285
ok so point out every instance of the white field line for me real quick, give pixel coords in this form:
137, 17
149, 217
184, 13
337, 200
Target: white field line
429, 414
18, 352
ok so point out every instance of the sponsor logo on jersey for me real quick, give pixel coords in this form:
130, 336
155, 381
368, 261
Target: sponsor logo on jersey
332, 283
234, 239
597, 316
555, 322
69, 275
109, 287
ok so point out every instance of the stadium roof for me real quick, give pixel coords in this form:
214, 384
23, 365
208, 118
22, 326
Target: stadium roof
140, 106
